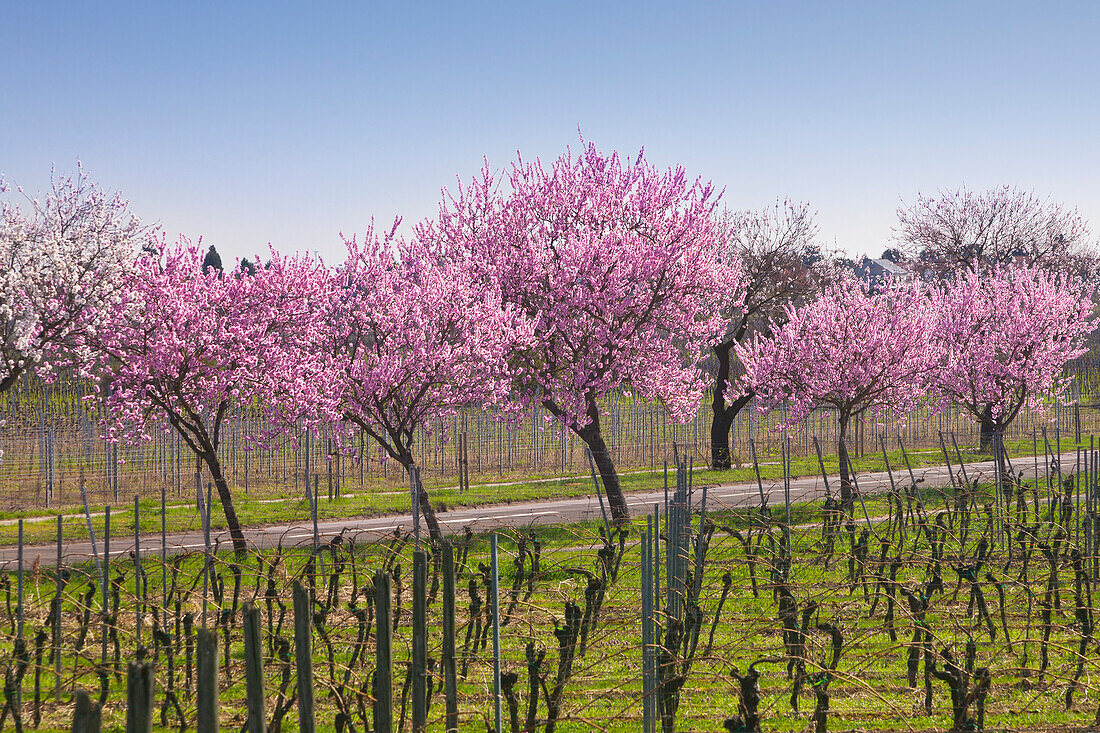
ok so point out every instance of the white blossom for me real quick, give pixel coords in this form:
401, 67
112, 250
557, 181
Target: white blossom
63, 259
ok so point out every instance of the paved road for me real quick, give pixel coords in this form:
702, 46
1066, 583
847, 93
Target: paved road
520, 514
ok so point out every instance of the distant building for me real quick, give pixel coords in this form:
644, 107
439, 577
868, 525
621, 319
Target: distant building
876, 271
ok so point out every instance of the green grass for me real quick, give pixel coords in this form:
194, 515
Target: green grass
275, 506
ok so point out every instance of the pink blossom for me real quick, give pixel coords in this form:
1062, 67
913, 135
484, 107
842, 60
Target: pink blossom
616, 267
415, 337
1005, 338
849, 349
191, 346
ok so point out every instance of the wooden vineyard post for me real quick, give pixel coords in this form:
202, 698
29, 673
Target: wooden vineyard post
328, 465
303, 651
206, 720
420, 642
464, 464
450, 680
139, 697
383, 675
254, 670
87, 715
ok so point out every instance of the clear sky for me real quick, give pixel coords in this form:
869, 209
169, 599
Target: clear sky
249, 123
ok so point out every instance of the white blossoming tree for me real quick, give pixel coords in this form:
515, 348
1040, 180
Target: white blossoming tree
63, 258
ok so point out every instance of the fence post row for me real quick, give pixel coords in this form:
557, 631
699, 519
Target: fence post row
56, 429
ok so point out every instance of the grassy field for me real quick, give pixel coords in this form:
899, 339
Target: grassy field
869, 691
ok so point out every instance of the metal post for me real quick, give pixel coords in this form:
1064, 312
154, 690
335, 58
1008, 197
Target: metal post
313, 496
204, 513
656, 557
1077, 486
962, 464
496, 631
756, 467
786, 494
821, 464
414, 494
599, 494
106, 574
91, 529
998, 481
19, 582
647, 628
947, 460
164, 546
912, 476
57, 619
138, 596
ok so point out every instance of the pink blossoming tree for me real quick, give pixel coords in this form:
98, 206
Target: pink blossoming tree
1004, 339
415, 338
63, 265
850, 350
190, 344
615, 265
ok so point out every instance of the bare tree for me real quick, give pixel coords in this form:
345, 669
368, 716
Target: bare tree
968, 230
780, 266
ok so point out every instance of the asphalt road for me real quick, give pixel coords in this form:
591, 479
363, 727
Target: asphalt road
515, 515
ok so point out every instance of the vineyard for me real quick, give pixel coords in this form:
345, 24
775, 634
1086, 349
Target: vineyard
935, 608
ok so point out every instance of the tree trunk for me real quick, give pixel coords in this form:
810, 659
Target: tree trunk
988, 428
405, 458
231, 521
720, 433
847, 500
608, 475
428, 512
721, 421
9, 381
723, 415
591, 436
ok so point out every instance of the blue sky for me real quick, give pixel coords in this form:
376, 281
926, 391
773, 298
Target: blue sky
249, 123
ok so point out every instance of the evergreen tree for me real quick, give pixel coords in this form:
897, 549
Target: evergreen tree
212, 259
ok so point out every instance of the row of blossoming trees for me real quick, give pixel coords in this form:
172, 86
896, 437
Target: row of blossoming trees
545, 286
991, 343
